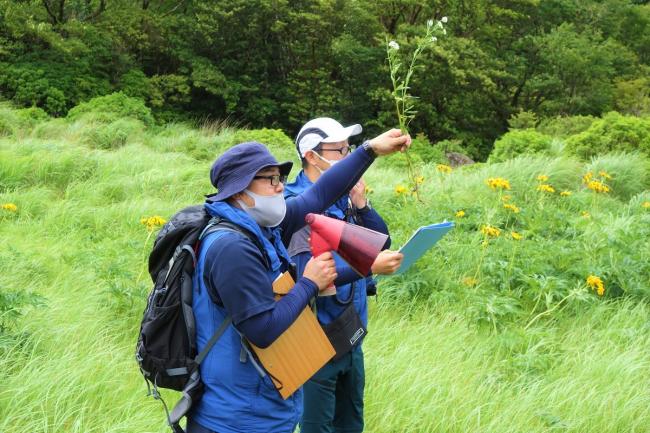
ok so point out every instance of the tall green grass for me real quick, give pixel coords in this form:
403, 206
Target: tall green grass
430, 370
442, 356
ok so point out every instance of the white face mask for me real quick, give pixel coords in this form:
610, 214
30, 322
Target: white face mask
329, 161
269, 210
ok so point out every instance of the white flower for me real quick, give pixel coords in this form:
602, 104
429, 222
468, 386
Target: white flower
394, 45
439, 24
433, 39
429, 23
444, 19
444, 31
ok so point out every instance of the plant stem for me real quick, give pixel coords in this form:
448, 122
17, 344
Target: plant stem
549, 311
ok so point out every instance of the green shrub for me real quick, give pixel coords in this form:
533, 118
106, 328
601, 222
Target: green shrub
422, 151
565, 126
28, 118
451, 146
51, 129
523, 120
280, 145
113, 107
135, 84
7, 119
14, 121
13, 303
6, 129
114, 135
433, 153
517, 142
613, 132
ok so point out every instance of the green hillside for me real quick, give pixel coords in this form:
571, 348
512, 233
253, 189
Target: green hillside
503, 327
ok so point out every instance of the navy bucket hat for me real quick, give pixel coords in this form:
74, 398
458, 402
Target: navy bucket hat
233, 171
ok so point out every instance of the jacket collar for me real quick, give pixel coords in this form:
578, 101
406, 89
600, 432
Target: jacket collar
269, 238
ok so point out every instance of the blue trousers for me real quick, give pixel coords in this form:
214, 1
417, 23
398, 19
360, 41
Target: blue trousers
333, 397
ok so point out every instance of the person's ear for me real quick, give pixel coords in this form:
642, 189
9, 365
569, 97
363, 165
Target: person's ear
310, 157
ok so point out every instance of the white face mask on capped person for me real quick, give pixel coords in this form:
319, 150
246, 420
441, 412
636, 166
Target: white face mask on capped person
269, 210
329, 161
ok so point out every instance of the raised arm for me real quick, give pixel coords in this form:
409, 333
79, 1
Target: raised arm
339, 179
334, 183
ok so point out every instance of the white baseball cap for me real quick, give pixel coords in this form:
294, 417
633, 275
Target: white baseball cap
323, 130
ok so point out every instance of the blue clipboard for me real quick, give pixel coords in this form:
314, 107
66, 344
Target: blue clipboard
422, 240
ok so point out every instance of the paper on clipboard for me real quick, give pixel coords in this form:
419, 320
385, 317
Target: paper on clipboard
422, 240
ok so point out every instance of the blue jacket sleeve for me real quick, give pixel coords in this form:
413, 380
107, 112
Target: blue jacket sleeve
264, 328
335, 182
370, 219
235, 269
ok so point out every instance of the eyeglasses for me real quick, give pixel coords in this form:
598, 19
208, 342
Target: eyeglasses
275, 179
342, 150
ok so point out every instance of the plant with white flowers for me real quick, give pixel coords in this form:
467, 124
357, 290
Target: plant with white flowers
404, 101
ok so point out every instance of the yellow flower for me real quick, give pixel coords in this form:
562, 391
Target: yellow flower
546, 188
419, 180
585, 214
604, 175
153, 222
498, 182
516, 236
542, 178
587, 177
597, 284
506, 198
460, 213
490, 231
9, 207
511, 207
646, 204
470, 281
597, 186
442, 168
401, 189
565, 193
369, 190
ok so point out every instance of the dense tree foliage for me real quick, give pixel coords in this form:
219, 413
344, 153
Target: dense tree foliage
275, 63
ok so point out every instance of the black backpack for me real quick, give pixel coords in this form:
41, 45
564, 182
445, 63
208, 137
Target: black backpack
166, 351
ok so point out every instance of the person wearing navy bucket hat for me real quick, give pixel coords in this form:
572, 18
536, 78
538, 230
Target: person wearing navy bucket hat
234, 278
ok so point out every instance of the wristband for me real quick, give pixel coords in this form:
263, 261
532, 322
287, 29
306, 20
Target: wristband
366, 146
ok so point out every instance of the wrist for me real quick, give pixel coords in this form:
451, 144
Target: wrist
310, 285
365, 208
369, 148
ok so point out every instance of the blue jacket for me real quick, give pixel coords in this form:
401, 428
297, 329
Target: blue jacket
330, 307
237, 398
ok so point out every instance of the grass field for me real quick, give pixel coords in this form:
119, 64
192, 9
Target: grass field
487, 334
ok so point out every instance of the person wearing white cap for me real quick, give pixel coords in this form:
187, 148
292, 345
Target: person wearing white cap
333, 398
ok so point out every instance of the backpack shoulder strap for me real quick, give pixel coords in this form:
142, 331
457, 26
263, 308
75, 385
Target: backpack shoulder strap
214, 225
218, 333
183, 406
217, 224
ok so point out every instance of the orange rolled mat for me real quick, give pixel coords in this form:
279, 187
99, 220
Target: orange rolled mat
299, 352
